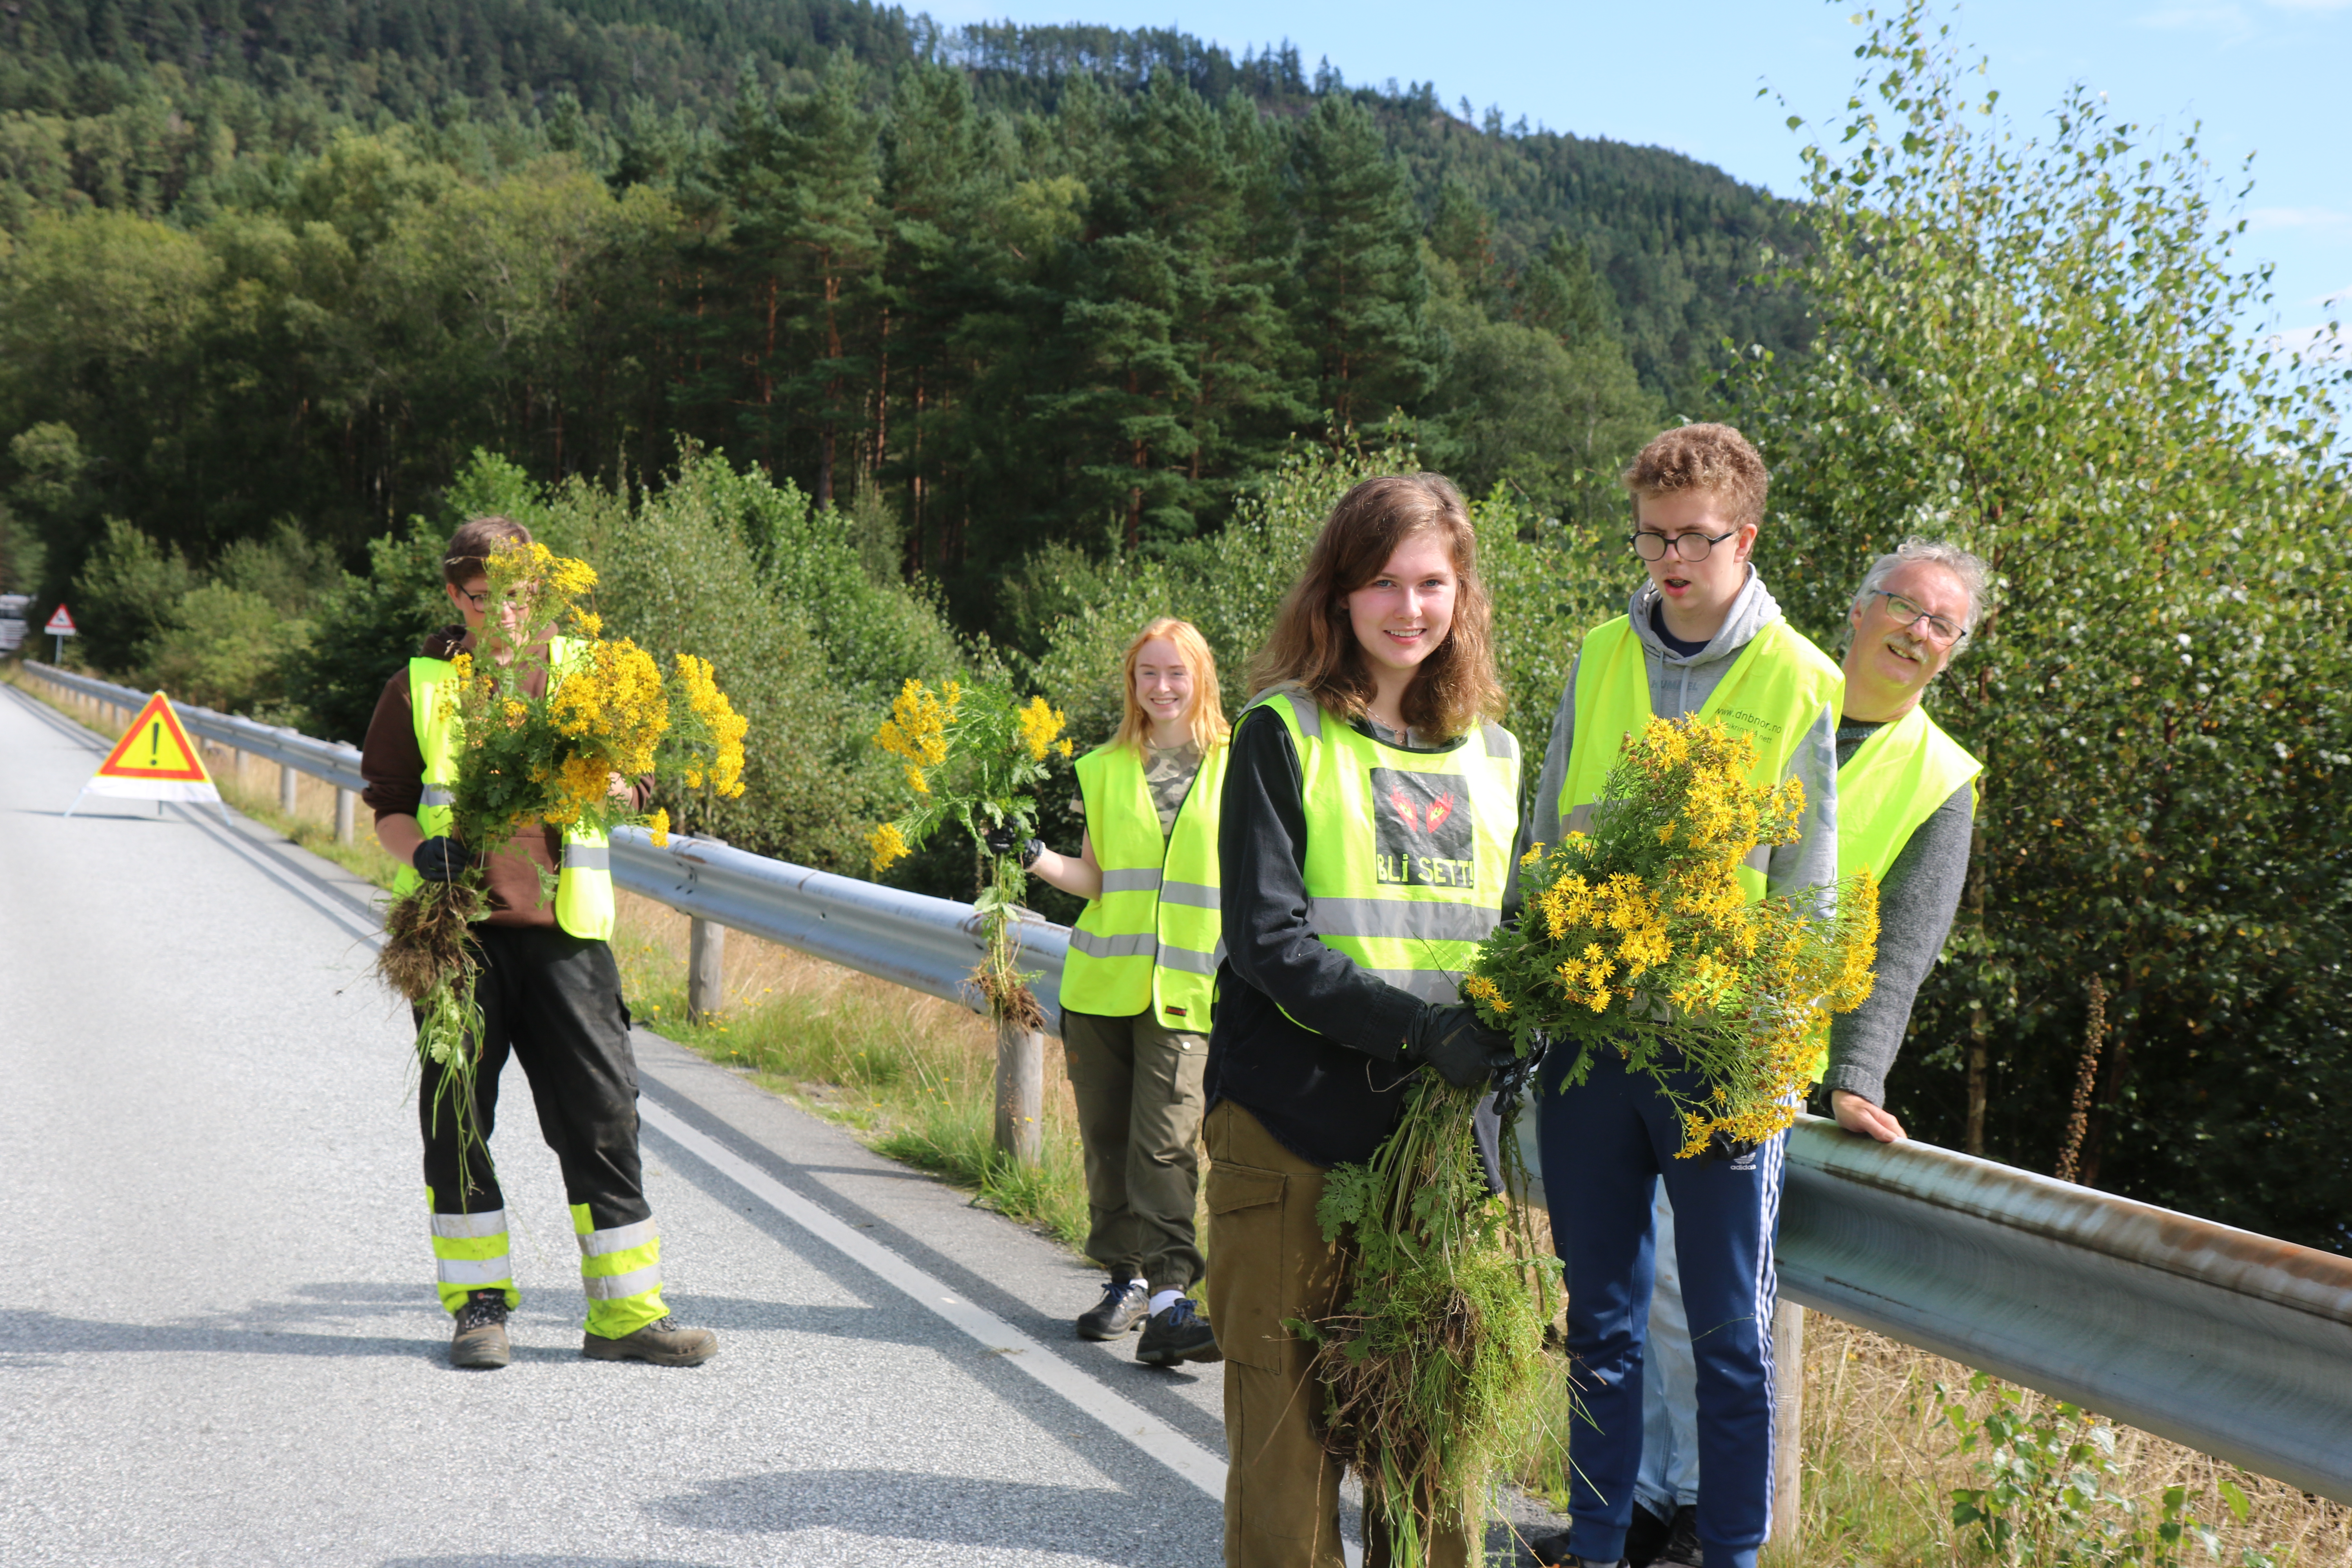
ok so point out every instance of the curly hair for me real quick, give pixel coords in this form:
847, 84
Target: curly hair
1712, 458
1313, 647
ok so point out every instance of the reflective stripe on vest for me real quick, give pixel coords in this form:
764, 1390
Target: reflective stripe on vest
1152, 939
1407, 852
583, 884
1773, 693
1895, 780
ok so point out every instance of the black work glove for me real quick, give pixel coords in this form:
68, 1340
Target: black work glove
1448, 1037
441, 859
1001, 840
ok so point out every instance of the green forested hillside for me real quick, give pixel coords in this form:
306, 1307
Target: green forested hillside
999, 289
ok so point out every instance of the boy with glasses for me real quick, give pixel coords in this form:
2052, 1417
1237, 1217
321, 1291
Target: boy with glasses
1701, 636
1906, 806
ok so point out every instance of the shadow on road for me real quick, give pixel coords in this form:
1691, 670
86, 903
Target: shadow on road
1102, 1524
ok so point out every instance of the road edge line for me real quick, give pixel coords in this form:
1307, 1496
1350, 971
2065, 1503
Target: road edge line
1128, 1420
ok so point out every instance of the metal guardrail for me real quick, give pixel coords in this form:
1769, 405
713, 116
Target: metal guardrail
924, 943
2236, 1344
338, 764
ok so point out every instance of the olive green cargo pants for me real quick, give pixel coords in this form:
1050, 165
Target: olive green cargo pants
1139, 1090
1269, 1261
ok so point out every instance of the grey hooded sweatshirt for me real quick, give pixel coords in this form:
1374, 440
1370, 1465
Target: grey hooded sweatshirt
1680, 685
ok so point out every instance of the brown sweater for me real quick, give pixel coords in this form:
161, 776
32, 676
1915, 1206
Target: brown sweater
393, 765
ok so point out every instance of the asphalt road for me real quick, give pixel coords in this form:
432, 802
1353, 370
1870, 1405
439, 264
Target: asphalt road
219, 1342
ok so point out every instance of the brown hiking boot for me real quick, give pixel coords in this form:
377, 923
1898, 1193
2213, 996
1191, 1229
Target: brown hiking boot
663, 1343
481, 1337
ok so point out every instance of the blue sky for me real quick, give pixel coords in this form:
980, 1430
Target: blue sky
2264, 77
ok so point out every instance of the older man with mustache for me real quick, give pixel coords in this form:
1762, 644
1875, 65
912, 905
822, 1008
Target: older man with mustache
1907, 808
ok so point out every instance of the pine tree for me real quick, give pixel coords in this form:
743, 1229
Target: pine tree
1362, 285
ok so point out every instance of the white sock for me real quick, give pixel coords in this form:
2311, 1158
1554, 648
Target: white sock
1162, 1299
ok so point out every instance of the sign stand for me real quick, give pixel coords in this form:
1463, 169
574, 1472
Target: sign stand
153, 761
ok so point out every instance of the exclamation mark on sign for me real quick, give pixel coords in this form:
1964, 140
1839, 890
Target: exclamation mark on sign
156, 744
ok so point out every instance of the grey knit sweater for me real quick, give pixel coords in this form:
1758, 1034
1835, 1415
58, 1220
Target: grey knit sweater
1916, 902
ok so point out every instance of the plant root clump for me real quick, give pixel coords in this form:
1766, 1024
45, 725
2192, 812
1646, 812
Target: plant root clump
425, 938
1433, 1367
1009, 1002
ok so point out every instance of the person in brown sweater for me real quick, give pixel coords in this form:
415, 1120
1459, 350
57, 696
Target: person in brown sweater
550, 997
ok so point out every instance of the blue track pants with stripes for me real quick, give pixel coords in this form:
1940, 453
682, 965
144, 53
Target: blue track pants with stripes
1605, 1145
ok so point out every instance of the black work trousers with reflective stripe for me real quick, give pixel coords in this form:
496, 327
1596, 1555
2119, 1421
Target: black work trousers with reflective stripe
553, 1000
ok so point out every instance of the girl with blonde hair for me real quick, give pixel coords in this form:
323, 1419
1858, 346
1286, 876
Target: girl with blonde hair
1368, 814
1136, 985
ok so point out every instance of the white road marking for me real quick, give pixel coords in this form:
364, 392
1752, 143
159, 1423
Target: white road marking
1129, 1420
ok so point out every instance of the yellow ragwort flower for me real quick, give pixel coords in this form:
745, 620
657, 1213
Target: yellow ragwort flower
1041, 722
889, 845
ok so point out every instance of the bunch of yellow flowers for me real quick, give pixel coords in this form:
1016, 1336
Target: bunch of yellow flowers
972, 756
558, 718
1639, 936
983, 749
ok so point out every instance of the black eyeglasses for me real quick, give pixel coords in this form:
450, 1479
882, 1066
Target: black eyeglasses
1650, 545
1941, 630
480, 601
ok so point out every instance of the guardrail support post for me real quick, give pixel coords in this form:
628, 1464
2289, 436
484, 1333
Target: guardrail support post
286, 779
1019, 1093
705, 984
1787, 1421
345, 801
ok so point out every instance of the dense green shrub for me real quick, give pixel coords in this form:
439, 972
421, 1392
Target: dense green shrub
2032, 349
710, 561
1550, 580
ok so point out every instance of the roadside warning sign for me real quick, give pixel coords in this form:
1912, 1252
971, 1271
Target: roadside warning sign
60, 627
155, 760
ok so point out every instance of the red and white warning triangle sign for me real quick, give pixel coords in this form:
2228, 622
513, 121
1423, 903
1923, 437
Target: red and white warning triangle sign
153, 761
60, 624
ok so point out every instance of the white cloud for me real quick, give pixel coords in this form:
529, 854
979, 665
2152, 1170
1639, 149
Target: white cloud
2227, 20
2320, 344
2325, 219
2310, 4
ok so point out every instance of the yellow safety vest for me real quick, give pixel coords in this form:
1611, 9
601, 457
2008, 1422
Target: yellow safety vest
1892, 784
1774, 691
1895, 781
1154, 937
583, 885
1407, 852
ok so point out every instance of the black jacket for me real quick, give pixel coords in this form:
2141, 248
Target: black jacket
1331, 1092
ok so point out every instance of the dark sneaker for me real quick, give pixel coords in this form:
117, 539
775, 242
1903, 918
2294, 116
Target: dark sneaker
481, 1337
1178, 1334
663, 1343
1647, 1537
1120, 1311
1551, 1551
1681, 1549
